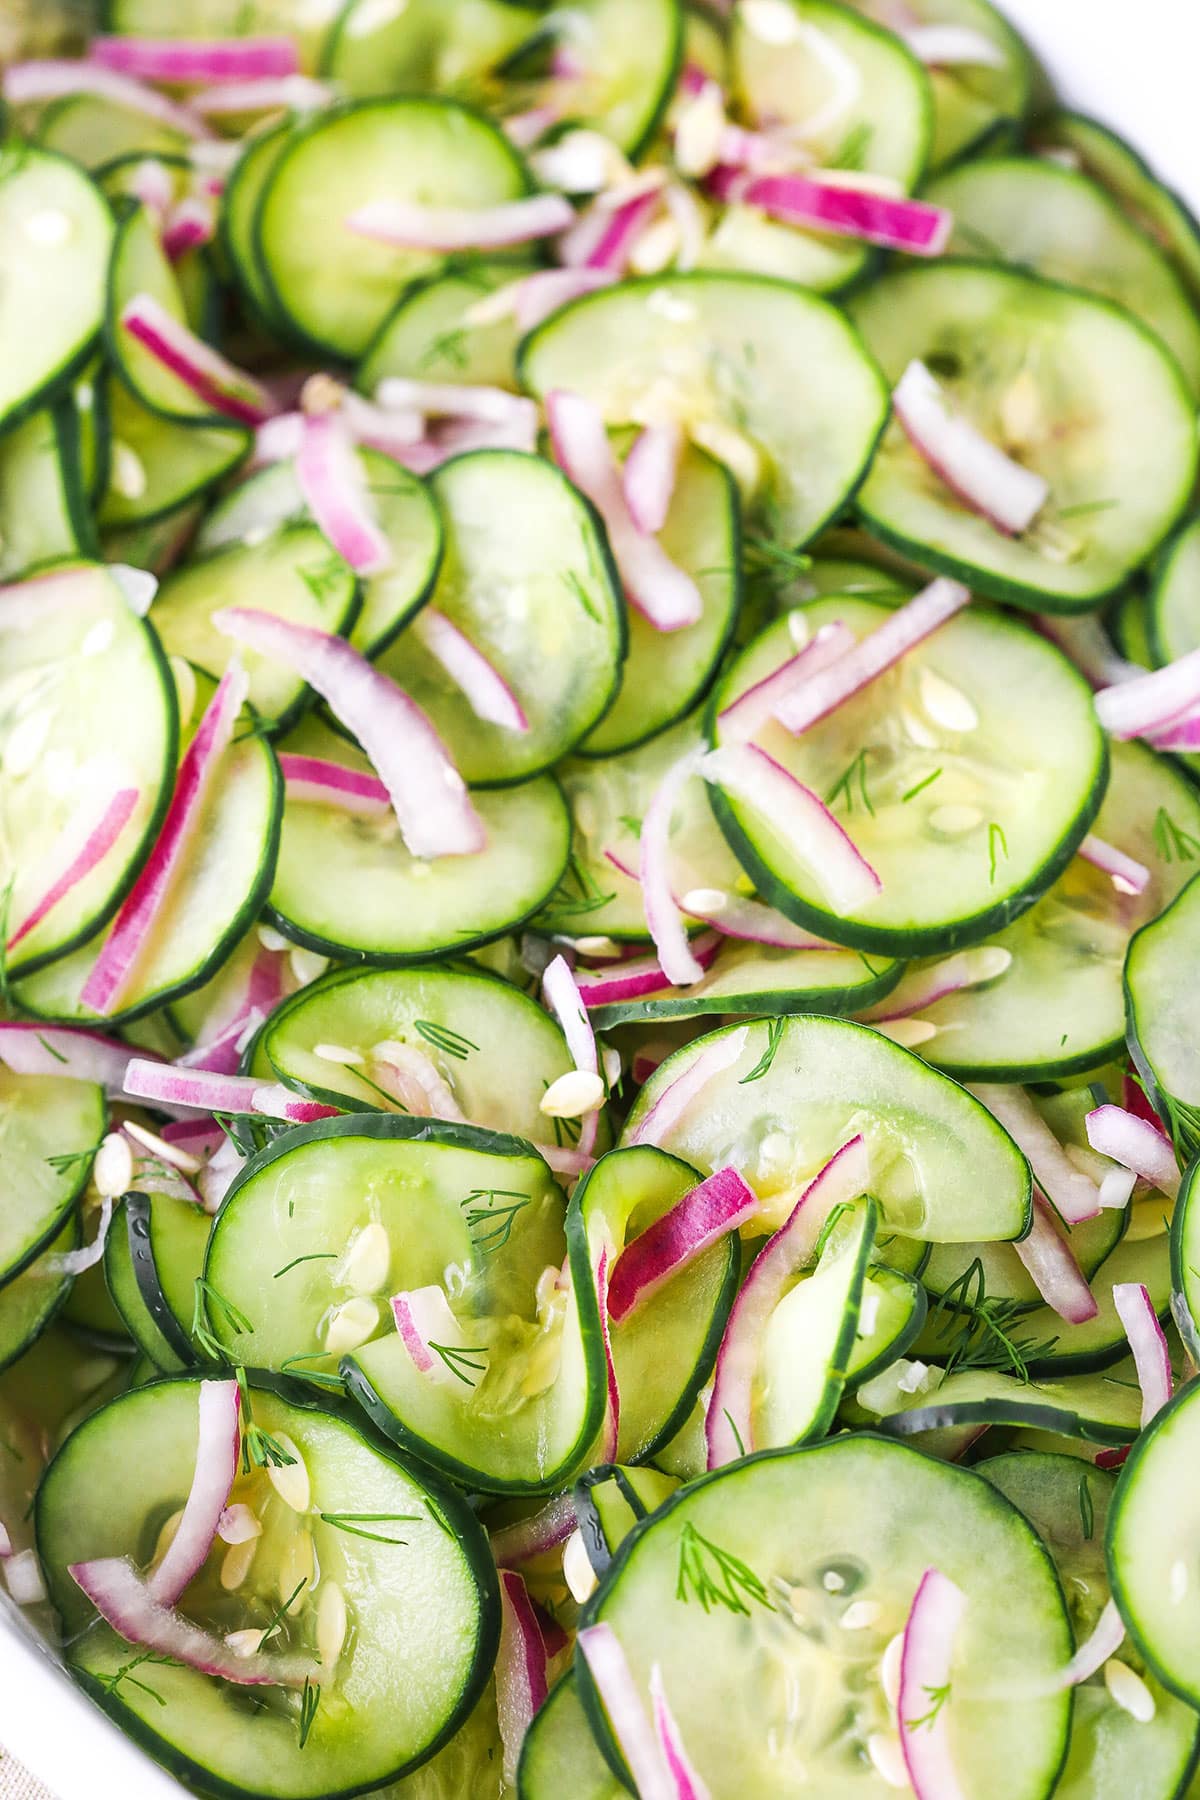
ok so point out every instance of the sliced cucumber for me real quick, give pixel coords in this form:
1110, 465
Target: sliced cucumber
52, 1123
1058, 223
664, 1350
1173, 603
528, 579
965, 823
753, 978
346, 886
398, 1687
741, 360
1100, 1408
431, 336
30, 1300
307, 25
156, 467
940, 1166
559, 1754
883, 128
294, 574
1059, 1008
421, 46
610, 1500
94, 130
628, 53
155, 546
808, 1535
239, 207
890, 1316
152, 1259
1185, 1243
1159, 998
1085, 394
333, 288
44, 515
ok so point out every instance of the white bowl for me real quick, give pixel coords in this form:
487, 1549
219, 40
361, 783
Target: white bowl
1134, 69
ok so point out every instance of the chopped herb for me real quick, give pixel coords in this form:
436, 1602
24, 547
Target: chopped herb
633, 826
325, 579
208, 1303
868, 965
997, 842
829, 1227
737, 1436
1171, 841
110, 1683
978, 241
5, 909
493, 1223
313, 1256
589, 898
715, 1576
851, 154
448, 347
375, 1088
310, 1699
938, 1696
321, 1377
458, 1358
353, 1523
450, 1043
843, 787
574, 585
775, 562
285, 1606
774, 1038
259, 1449
1086, 506
69, 1158
919, 787
49, 1049
1087, 1512
979, 1332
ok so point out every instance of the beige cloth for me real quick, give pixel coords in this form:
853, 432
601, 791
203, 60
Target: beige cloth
17, 1783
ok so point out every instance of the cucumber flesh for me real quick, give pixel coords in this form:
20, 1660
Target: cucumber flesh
559, 1754
1162, 1042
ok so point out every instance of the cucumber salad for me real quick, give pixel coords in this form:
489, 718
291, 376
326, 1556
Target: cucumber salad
600, 895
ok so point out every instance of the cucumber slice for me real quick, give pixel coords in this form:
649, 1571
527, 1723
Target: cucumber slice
56, 228
94, 131
1149, 1523
156, 546
294, 574
891, 1313
1173, 603
1185, 1243
663, 1351
271, 498
754, 978
51, 1126
941, 1167
431, 337
474, 1209
629, 53
153, 1257
492, 1044
239, 207
727, 355
424, 1615
86, 707
1058, 223
884, 129
306, 25
421, 46
335, 289
1071, 945
559, 1754
808, 1534
1086, 394
221, 888
89, 395
811, 1336
964, 828
1127, 625
1158, 998
528, 579
139, 266
44, 515
346, 886
1100, 1408
610, 1500
30, 1300
157, 467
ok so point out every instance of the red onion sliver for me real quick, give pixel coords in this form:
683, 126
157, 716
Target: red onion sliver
188, 225
982, 476
293, 93
564, 1159
480, 682
520, 1669
952, 975
750, 921
729, 1424
28, 1047
1135, 1100
430, 798
274, 1101
894, 221
622, 228
423, 1317
1108, 1634
744, 717
525, 128
99, 842
6, 1545
637, 977
123, 1599
562, 996
1074, 1194
217, 1445
335, 492
447, 400
1128, 875
910, 624
445, 228
704, 1215
542, 293
134, 923
29, 83
613, 1678
1136, 1144
420, 1085
164, 1084
1050, 1264
686, 1783
75, 1262
1147, 1340
650, 473
799, 818
717, 1054
1181, 735
314, 781
610, 1433
1152, 701
926, 1659
661, 591
183, 62
221, 1036
219, 1174
546, 1530
663, 917
228, 390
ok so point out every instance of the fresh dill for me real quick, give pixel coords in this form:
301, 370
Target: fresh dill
354, 1522
323, 580
147, 1659
448, 347
715, 1576
737, 1436
979, 1332
836, 1214
762, 1066
587, 897
460, 1360
574, 585
851, 153
208, 1304
843, 787
450, 1043
632, 826
48, 1047
773, 561
69, 1158
367, 1081
491, 1215
997, 846
937, 1697
919, 787
5, 910
1083, 507
281, 1611
1171, 841
310, 1699
313, 1256
321, 1377
259, 1449
1087, 1512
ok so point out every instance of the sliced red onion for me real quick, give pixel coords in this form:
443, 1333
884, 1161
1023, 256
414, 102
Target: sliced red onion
663, 917
28, 1047
192, 223
690, 224
1150, 702
219, 1173
719, 1053
1147, 1340
982, 476
134, 923
610, 1434
1050, 1264
411, 227
195, 1139
228, 390
554, 1639
1128, 876
217, 1445
662, 592
271, 93
123, 1599
443, 399
545, 1530
1108, 1634
419, 1085
926, 1661
520, 1669
23, 1578
314, 781
480, 682
952, 975
6, 1543
99, 842
74, 1262
745, 717
1136, 1144
953, 46
1135, 1100
729, 1421
204, 1089
1074, 1195
707, 1213
686, 1783
564, 1159
187, 62
335, 491
392, 429
892, 220
563, 997
152, 185
525, 128
639, 976
1112, 1459
222, 1035
277, 439
30, 83
649, 476
634, 1735
1180, 737
430, 798
603, 235
424, 1318
799, 818
750, 921
910, 624
274, 1101
542, 293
